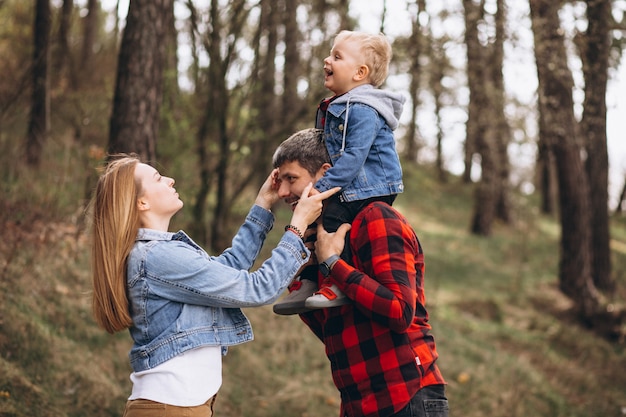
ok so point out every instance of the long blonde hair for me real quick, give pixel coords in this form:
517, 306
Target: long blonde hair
115, 226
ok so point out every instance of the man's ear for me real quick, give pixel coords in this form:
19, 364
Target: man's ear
362, 73
325, 167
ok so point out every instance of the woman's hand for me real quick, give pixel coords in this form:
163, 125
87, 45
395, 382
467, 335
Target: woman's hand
309, 207
268, 193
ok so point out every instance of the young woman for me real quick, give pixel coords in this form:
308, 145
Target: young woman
181, 305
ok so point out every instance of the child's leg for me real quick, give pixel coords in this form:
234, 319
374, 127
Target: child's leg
304, 285
335, 214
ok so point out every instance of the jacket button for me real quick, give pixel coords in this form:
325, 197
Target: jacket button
303, 254
340, 127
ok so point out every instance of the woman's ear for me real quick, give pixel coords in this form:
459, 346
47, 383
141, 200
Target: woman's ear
143, 204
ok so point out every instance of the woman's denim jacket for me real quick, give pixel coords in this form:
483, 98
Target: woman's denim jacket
358, 131
182, 298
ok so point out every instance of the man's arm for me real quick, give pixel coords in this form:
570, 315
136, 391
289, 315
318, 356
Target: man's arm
390, 265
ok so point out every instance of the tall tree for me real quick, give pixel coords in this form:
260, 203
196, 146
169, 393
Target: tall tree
545, 173
343, 6
497, 98
480, 131
266, 65
472, 15
439, 64
488, 132
559, 131
220, 35
416, 42
292, 105
622, 197
63, 58
214, 139
198, 225
90, 27
38, 124
134, 124
594, 48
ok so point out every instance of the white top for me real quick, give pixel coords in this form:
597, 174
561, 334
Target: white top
186, 380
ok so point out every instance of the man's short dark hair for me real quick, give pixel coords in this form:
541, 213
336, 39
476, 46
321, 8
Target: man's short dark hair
306, 147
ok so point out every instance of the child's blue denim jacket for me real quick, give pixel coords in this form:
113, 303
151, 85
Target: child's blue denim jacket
182, 298
358, 131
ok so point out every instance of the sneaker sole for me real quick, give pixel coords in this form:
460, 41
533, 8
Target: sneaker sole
316, 304
289, 309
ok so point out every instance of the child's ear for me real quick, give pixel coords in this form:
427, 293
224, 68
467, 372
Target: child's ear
362, 73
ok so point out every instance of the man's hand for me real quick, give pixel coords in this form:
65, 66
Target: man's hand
329, 244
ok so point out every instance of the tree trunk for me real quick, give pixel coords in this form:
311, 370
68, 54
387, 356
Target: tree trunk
440, 64
90, 27
545, 172
292, 69
595, 48
63, 64
116, 25
479, 129
477, 101
266, 97
213, 139
134, 123
342, 7
213, 127
197, 227
278, 25
38, 124
171, 89
194, 67
620, 202
557, 110
412, 136
502, 135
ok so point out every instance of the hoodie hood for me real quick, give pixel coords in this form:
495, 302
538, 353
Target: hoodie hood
388, 104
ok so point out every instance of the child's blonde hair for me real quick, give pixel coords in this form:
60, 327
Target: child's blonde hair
376, 51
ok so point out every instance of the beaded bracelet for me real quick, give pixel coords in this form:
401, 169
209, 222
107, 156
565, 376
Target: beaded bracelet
295, 230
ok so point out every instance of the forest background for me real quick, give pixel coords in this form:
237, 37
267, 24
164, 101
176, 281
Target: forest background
508, 188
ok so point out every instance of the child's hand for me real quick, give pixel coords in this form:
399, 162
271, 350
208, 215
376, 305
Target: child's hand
309, 206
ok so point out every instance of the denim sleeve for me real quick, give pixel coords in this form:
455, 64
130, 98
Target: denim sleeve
248, 241
179, 272
363, 125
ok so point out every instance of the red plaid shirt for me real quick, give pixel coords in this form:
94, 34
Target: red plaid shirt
320, 115
379, 346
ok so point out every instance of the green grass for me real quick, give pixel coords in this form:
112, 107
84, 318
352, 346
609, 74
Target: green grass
508, 345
